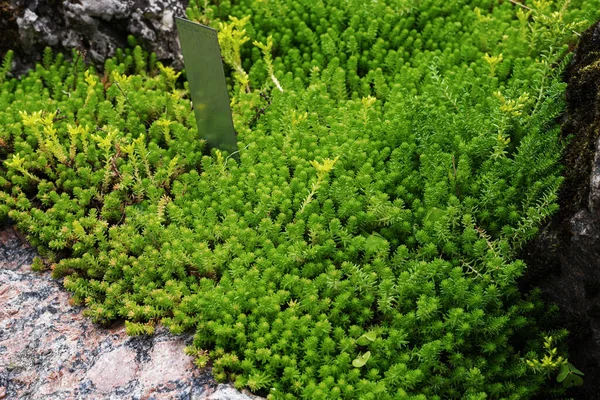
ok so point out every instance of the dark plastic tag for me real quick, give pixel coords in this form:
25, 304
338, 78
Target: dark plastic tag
204, 67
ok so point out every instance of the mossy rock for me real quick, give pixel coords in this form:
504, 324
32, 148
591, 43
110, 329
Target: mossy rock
564, 261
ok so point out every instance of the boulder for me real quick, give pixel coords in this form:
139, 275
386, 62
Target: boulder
95, 27
564, 260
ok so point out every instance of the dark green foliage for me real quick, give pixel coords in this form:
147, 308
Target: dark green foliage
363, 246
6, 65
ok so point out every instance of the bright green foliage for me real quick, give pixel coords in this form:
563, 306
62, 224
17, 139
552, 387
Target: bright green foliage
231, 38
378, 43
363, 246
551, 360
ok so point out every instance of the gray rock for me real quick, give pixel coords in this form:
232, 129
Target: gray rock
564, 261
48, 350
223, 392
97, 27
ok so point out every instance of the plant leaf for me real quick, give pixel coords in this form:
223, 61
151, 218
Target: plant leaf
374, 242
435, 214
361, 360
562, 374
367, 338
362, 341
574, 370
572, 380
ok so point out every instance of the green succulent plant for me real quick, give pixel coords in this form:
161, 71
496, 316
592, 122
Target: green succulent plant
394, 158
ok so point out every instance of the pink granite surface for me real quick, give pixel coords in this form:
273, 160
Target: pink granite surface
48, 350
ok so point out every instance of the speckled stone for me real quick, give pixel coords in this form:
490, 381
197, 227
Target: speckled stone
48, 350
97, 27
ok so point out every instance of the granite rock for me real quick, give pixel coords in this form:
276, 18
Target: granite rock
48, 350
95, 27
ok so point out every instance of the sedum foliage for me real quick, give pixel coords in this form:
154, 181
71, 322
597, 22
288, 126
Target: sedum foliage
395, 156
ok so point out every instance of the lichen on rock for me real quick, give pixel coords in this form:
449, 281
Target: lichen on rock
96, 27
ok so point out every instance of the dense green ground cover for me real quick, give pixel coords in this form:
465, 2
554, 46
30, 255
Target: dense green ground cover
364, 244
